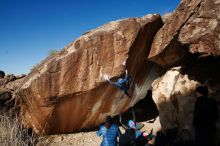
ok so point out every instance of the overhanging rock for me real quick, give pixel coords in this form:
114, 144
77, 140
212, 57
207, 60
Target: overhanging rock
67, 93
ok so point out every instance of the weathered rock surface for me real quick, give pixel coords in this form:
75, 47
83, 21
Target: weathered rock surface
8, 85
66, 92
174, 95
7, 79
193, 27
11, 82
14, 85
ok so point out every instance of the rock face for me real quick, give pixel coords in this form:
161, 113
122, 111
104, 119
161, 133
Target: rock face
202, 29
7, 79
194, 26
11, 82
188, 38
67, 93
174, 95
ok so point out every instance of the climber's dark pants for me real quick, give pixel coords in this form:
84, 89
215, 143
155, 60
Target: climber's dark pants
126, 92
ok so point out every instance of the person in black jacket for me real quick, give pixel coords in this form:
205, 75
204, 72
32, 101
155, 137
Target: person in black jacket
204, 118
128, 138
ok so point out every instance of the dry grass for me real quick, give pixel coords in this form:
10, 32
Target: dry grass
13, 134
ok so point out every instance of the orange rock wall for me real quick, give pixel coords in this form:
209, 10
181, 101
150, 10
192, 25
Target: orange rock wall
67, 92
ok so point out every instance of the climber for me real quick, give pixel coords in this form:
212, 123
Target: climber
109, 131
122, 84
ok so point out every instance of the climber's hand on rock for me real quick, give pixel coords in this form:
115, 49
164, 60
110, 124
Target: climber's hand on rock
105, 77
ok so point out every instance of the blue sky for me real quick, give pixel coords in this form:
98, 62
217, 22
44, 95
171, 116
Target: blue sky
29, 29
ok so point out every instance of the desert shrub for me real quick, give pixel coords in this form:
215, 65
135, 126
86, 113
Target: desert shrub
52, 52
13, 133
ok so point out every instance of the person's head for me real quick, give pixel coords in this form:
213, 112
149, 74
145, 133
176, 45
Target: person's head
202, 91
108, 121
131, 124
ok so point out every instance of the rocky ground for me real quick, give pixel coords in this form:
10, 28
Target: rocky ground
77, 139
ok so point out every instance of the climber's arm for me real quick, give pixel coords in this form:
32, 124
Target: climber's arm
107, 79
116, 84
126, 74
133, 114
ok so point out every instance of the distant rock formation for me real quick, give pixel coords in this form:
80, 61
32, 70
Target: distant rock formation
8, 85
67, 92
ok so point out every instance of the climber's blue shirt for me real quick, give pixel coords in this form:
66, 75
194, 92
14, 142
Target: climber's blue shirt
121, 81
123, 84
109, 135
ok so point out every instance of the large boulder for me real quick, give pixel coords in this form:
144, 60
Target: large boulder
202, 30
193, 27
67, 93
174, 95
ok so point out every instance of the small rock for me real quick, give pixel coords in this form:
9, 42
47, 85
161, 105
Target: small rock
11, 77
